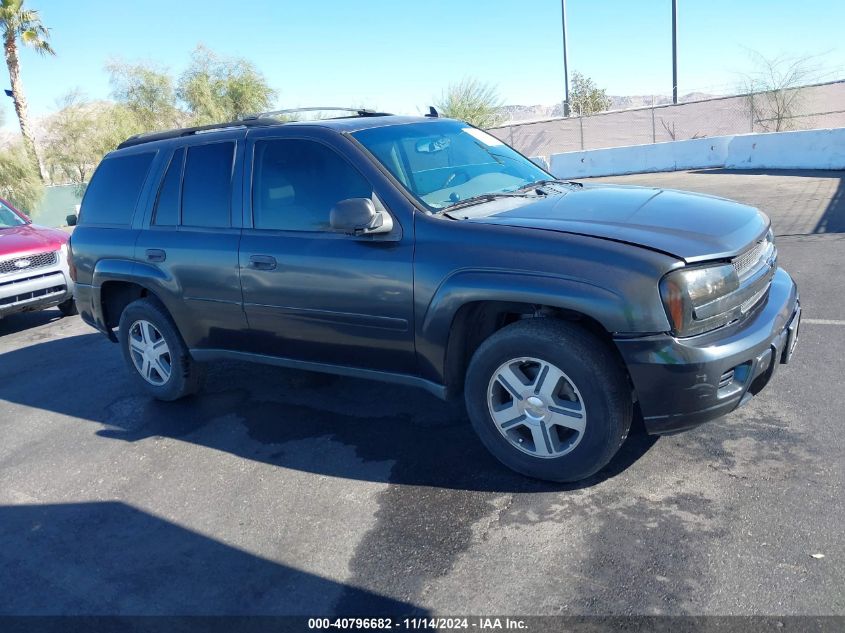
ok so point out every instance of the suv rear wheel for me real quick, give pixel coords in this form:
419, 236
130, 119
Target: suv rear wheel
155, 353
548, 399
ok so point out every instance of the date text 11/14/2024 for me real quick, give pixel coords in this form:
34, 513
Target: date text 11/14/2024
443, 623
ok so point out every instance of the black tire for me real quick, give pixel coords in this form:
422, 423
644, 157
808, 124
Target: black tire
588, 363
68, 308
186, 375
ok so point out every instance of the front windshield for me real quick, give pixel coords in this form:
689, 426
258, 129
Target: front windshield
9, 218
443, 162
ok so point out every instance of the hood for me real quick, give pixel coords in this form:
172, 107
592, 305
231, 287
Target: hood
30, 238
693, 227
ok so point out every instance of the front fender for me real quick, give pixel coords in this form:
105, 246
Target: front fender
608, 307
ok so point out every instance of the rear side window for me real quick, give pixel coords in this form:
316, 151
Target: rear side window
207, 185
113, 192
167, 204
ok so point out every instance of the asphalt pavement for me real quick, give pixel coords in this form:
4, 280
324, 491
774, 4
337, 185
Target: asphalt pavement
281, 492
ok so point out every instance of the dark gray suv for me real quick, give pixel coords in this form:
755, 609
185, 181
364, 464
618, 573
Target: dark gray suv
423, 251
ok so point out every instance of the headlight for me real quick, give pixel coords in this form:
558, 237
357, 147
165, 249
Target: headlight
694, 298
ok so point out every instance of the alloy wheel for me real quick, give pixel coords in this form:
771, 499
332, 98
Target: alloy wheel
150, 353
536, 407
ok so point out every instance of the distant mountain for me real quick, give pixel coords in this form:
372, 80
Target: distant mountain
533, 112
8, 135
11, 133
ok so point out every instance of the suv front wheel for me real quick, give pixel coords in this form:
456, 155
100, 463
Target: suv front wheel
549, 399
155, 353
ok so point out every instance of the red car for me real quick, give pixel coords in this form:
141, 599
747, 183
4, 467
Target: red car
33, 265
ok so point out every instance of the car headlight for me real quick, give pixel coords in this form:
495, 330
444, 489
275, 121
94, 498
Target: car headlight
697, 299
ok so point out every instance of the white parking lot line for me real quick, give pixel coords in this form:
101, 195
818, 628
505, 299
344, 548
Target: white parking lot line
823, 321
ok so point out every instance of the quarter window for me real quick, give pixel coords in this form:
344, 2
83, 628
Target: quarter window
296, 183
207, 185
113, 191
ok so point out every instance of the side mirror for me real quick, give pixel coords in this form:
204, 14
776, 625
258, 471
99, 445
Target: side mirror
71, 219
358, 216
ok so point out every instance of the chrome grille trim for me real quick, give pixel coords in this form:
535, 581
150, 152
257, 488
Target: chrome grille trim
754, 299
38, 260
755, 257
749, 265
746, 261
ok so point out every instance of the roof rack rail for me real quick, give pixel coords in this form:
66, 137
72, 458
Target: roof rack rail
274, 113
261, 119
149, 137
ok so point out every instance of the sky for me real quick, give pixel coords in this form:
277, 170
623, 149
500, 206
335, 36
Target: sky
398, 56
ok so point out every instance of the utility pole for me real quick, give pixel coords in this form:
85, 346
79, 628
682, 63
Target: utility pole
565, 67
674, 51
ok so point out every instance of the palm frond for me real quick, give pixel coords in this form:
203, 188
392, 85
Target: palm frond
9, 11
36, 39
25, 24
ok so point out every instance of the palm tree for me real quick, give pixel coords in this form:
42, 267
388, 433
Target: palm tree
18, 23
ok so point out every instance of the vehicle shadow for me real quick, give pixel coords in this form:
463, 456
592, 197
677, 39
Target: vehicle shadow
19, 322
109, 558
281, 417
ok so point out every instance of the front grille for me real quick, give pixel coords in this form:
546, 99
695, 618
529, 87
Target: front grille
30, 262
753, 269
750, 258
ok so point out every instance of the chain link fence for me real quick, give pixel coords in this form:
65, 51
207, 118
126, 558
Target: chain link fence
809, 107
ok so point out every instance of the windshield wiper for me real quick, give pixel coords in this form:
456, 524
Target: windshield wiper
486, 197
551, 181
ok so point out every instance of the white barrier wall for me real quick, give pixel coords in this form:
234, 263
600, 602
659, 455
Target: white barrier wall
810, 149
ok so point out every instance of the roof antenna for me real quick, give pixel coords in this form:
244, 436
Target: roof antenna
432, 112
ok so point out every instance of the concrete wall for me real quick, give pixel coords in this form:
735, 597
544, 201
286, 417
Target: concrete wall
815, 149
810, 149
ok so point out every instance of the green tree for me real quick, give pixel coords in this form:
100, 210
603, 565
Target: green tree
585, 98
472, 101
217, 89
148, 92
81, 133
20, 182
20, 24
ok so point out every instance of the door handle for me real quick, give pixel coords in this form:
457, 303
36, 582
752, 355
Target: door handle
156, 255
262, 262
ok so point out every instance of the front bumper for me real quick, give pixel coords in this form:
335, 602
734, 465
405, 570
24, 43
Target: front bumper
35, 290
681, 383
